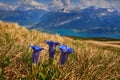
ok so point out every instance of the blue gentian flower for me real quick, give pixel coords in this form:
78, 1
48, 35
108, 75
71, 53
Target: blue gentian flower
52, 48
65, 51
36, 53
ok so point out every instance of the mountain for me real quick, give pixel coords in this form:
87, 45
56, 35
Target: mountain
4, 6
88, 20
25, 14
25, 18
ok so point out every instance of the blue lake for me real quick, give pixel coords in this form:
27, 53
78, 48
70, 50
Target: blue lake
64, 32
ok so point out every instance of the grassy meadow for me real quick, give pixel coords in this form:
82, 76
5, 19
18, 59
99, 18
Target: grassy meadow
87, 62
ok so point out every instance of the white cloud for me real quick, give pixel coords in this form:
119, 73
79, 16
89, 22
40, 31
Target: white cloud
97, 3
67, 2
114, 3
2, 4
32, 3
100, 3
5, 6
56, 4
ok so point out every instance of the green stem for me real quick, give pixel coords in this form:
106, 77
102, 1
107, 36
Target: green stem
2, 73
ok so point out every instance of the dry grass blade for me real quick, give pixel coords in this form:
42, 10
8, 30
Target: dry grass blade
88, 62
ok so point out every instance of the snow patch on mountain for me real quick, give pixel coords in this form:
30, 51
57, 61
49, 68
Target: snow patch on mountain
110, 10
67, 21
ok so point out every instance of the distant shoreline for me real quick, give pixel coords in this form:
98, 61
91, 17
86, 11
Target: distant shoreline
94, 38
84, 36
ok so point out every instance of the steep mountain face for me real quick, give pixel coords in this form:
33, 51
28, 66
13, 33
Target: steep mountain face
88, 20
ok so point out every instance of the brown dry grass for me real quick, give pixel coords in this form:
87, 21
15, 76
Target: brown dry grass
88, 62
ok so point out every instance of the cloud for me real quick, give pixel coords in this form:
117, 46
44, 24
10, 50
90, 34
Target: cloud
56, 4
97, 3
59, 4
32, 3
6, 6
3, 4
100, 3
66, 2
114, 3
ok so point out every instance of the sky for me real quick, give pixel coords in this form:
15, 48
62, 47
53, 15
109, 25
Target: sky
65, 3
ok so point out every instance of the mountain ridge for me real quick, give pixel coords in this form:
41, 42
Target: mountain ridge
88, 20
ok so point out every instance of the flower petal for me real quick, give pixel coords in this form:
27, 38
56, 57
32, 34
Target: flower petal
56, 43
63, 58
65, 52
63, 48
52, 48
69, 50
48, 42
35, 56
36, 53
36, 48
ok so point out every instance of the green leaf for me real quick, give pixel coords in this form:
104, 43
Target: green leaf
6, 62
42, 76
